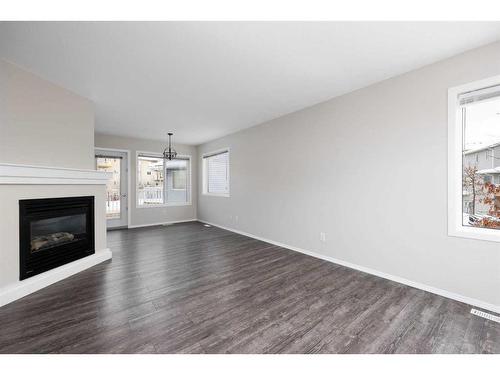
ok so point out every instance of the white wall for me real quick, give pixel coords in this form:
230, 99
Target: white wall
370, 169
43, 124
153, 215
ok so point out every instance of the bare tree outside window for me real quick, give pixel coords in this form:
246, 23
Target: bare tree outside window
481, 163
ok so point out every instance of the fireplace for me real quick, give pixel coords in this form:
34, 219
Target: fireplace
53, 232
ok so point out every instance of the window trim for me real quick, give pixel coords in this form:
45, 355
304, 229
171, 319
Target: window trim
171, 204
455, 216
204, 157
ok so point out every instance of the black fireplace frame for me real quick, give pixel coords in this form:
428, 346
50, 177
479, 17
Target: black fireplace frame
32, 264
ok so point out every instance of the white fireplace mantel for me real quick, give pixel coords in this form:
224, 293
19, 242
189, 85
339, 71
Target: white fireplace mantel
20, 181
20, 174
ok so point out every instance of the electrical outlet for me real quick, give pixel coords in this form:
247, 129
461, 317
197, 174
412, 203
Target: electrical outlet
322, 236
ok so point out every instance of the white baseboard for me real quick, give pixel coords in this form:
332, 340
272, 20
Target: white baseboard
401, 280
22, 288
162, 223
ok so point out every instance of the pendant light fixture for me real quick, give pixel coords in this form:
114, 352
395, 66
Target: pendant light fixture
169, 153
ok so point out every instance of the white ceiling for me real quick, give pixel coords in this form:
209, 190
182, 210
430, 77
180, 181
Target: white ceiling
203, 80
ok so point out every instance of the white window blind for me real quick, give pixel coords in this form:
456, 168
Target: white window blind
476, 96
217, 173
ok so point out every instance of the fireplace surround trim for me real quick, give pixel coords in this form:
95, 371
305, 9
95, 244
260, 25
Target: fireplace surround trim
21, 289
20, 174
38, 182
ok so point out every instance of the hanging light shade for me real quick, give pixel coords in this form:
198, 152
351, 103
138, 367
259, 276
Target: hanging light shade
169, 153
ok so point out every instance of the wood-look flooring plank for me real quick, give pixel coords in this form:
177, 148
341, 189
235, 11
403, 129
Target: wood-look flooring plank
187, 288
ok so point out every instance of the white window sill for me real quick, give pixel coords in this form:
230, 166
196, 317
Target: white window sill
483, 234
173, 204
216, 195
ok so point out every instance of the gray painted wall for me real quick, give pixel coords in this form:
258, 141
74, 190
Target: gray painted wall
370, 170
152, 215
43, 124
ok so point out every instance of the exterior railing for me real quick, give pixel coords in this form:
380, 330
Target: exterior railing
150, 195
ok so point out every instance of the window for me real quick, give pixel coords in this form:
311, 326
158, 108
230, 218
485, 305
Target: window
486, 178
150, 180
162, 182
474, 160
216, 173
177, 182
179, 179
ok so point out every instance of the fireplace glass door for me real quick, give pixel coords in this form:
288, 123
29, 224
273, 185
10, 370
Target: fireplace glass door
49, 233
53, 232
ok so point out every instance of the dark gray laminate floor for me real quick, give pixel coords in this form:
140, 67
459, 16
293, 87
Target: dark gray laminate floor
191, 289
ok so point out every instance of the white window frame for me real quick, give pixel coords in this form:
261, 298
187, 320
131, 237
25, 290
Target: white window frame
455, 218
171, 204
205, 174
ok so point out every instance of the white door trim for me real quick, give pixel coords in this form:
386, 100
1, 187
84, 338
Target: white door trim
129, 210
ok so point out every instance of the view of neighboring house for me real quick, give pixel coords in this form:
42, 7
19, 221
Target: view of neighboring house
112, 165
151, 185
483, 166
481, 159
149, 180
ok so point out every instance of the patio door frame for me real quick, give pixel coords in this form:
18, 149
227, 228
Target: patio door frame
124, 221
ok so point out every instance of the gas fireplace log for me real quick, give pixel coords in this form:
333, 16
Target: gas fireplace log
50, 240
